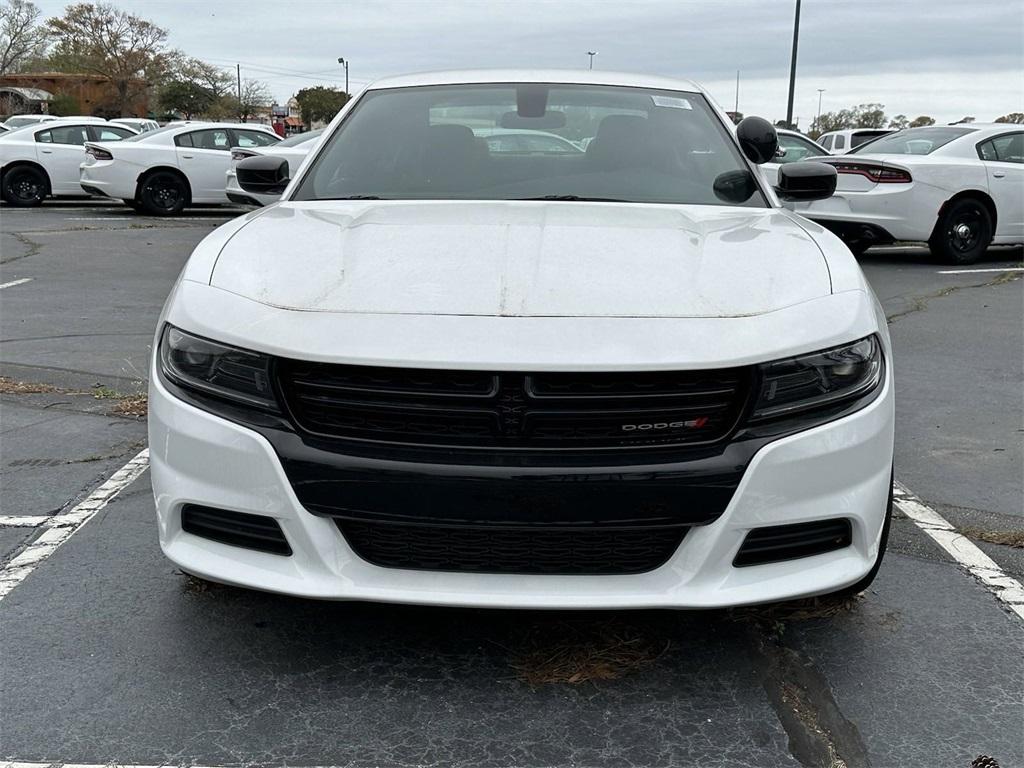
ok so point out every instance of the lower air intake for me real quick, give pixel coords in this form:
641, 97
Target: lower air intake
522, 551
788, 542
235, 528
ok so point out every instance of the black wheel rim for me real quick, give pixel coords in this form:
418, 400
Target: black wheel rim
164, 193
26, 187
964, 231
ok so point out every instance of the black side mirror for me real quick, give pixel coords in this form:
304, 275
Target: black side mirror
806, 181
735, 187
263, 174
758, 139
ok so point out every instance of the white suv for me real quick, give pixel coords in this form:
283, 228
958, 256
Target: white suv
438, 372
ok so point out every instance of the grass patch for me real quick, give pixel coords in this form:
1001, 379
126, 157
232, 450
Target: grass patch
10, 386
134, 406
1006, 538
581, 651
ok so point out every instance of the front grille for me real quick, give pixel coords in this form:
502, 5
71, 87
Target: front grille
775, 543
603, 551
513, 410
238, 529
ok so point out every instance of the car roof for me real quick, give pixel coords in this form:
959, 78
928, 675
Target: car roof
562, 76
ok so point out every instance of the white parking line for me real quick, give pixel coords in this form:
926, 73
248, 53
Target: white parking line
965, 552
59, 528
100, 218
17, 282
24, 521
973, 271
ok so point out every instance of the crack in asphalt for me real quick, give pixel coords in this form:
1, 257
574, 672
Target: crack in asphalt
32, 245
820, 735
920, 303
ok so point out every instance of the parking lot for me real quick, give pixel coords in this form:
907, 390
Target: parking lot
109, 654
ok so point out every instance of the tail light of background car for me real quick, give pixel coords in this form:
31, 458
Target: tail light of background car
99, 154
876, 173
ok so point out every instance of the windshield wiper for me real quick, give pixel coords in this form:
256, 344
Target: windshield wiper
353, 197
577, 198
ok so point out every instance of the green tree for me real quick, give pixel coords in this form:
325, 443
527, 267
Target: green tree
185, 97
921, 121
21, 36
320, 104
899, 122
868, 116
63, 104
101, 39
1013, 117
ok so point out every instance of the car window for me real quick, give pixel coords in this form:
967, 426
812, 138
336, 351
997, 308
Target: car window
211, 138
504, 143
300, 138
840, 141
913, 141
797, 149
110, 133
1008, 148
447, 142
65, 134
248, 139
863, 137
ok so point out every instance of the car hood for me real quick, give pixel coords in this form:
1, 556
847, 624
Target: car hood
523, 259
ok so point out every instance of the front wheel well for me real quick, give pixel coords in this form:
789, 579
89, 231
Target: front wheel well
27, 164
163, 169
968, 194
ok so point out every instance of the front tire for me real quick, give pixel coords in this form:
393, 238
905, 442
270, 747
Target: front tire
963, 232
24, 186
163, 194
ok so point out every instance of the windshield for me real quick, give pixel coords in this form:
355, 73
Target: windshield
913, 141
300, 138
526, 142
18, 122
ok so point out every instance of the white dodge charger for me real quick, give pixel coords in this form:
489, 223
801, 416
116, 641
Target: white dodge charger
437, 373
41, 159
293, 149
959, 188
165, 171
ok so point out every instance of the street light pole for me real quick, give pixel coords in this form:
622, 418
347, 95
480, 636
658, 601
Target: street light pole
591, 54
792, 67
818, 118
344, 63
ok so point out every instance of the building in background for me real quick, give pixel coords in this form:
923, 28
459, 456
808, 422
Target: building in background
83, 94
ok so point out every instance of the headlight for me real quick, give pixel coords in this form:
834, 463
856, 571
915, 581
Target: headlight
217, 369
819, 379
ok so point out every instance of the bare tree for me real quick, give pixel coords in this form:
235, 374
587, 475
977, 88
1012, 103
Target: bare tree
107, 41
255, 94
21, 36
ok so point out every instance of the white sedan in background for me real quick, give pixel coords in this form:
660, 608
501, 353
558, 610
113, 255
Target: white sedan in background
959, 188
162, 172
140, 124
41, 159
293, 149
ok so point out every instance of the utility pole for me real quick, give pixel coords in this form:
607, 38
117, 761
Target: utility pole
736, 108
792, 67
344, 63
591, 54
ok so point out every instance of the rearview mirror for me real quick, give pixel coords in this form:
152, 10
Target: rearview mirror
263, 174
806, 181
758, 139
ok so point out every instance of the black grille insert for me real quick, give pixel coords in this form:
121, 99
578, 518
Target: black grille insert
602, 551
235, 528
514, 410
788, 542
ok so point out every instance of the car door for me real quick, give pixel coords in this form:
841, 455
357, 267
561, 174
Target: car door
204, 157
1003, 157
60, 151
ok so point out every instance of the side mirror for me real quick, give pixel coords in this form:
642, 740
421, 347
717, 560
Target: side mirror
758, 139
806, 181
735, 187
263, 174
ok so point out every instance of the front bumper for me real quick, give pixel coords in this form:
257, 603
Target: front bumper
841, 468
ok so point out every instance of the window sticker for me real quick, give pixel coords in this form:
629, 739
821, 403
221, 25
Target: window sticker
672, 102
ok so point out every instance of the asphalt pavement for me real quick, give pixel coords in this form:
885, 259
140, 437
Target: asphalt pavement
109, 654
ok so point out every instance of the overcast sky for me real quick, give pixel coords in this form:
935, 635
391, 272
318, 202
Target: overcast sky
944, 58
